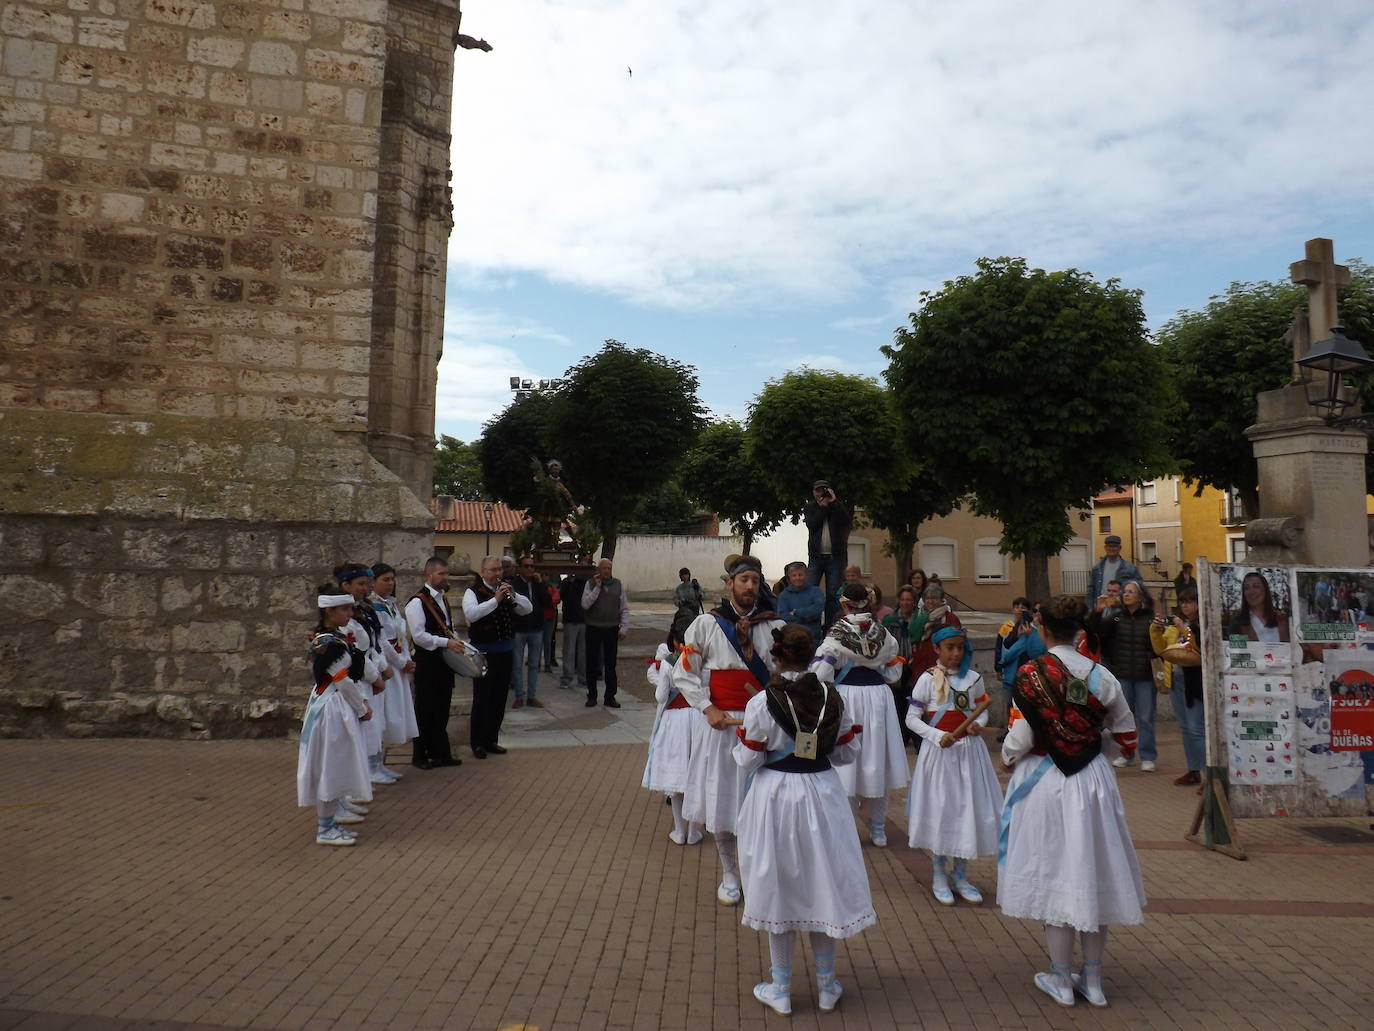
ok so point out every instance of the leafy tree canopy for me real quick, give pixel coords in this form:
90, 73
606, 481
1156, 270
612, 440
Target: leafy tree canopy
813, 424
909, 501
621, 421
508, 443
1034, 389
720, 474
1224, 355
457, 469
665, 510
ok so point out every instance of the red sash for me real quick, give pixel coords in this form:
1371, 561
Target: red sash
730, 688
678, 702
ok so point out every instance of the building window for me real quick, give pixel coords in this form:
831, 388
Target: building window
858, 554
1175, 482
1147, 493
1149, 551
989, 564
940, 557
1178, 550
1236, 548
1232, 508
1104, 524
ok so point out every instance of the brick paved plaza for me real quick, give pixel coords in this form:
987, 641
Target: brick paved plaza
166, 884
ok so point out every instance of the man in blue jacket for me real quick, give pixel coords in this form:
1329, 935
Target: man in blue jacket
1111, 566
800, 602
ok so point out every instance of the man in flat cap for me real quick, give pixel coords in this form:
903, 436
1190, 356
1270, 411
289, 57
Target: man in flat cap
827, 543
1111, 566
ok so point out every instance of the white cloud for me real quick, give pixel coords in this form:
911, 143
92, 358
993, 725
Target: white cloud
766, 154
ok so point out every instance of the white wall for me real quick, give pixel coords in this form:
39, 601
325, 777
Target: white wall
649, 562
785, 544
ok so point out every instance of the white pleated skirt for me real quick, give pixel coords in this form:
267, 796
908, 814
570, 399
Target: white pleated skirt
799, 856
955, 802
374, 728
1070, 859
400, 711
881, 764
333, 762
670, 750
715, 783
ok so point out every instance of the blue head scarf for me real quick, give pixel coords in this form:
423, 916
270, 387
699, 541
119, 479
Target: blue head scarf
956, 631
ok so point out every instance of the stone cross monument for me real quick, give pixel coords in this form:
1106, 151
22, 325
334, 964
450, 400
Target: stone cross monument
1311, 474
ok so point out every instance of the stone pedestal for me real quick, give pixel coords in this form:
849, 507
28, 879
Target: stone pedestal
1315, 474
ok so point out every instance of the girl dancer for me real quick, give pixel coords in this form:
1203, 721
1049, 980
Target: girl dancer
1065, 852
399, 727
860, 658
799, 853
954, 800
366, 632
670, 744
330, 766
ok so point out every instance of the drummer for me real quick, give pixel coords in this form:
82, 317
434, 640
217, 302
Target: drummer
431, 628
491, 605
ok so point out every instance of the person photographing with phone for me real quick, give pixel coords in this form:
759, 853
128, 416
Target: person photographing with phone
828, 521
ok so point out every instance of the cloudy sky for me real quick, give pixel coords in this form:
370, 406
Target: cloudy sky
751, 187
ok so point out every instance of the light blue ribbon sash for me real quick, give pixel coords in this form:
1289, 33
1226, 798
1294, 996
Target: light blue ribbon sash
1022, 790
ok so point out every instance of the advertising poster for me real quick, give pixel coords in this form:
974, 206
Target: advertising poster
1259, 729
1256, 613
1350, 681
1334, 606
1341, 774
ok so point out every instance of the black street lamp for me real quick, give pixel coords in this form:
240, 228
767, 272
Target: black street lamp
1327, 362
487, 509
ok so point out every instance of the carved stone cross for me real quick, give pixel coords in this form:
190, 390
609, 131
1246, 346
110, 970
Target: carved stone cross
1322, 276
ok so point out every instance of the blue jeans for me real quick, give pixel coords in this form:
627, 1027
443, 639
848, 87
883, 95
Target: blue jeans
1192, 723
529, 645
1140, 696
832, 568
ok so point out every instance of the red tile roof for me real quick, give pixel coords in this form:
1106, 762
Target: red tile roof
1108, 497
456, 516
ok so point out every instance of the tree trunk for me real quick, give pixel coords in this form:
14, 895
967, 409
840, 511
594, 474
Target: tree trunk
902, 548
609, 531
1038, 576
748, 536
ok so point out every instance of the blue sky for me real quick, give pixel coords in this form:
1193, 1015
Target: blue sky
775, 184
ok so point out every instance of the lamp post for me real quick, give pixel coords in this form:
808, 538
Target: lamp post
1325, 363
487, 509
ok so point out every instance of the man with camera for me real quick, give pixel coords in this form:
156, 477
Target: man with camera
491, 606
431, 628
827, 543
606, 608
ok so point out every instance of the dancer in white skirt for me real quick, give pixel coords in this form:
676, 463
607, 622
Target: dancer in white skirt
400, 727
725, 660
331, 766
799, 853
366, 632
860, 657
1066, 856
670, 743
954, 801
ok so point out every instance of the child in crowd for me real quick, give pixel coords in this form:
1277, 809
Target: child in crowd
670, 744
954, 802
332, 766
799, 853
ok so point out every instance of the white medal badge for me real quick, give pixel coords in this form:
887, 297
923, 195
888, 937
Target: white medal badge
807, 743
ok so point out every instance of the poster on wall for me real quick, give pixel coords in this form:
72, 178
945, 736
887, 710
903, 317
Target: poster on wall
1334, 606
1256, 619
1341, 774
1259, 729
1350, 681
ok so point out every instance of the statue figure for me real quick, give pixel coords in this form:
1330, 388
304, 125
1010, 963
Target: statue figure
553, 502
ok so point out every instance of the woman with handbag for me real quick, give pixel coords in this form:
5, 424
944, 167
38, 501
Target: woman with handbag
1176, 642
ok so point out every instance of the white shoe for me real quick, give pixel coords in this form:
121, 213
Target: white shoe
1095, 997
676, 838
381, 778
877, 833
1121, 762
694, 834
1147, 766
968, 892
729, 896
353, 807
830, 995
342, 816
774, 998
394, 774
1053, 985
334, 836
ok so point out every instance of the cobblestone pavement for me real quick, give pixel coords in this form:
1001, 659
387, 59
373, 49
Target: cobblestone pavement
158, 884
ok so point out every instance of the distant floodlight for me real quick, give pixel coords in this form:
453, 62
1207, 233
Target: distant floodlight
527, 384
515, 382
543, 384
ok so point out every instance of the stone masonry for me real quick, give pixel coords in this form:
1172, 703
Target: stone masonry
222, 245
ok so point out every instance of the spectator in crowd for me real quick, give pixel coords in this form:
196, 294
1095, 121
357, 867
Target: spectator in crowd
688, 593
606, 605
800, 602
880, 611
918, 583
574, 633
827, 543
1111, 566
898, 624
934, 615
1124, 631
551, 628
529, 634
1018, 642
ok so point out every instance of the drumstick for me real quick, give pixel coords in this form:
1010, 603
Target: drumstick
963, 728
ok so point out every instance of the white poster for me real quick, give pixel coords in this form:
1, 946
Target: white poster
1260, 729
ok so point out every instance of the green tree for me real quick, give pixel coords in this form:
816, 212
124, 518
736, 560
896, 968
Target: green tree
1033, 389
509, 441
457, 470
902, 509
1224, 355
813, 424
719, 474
665, 510
621, 420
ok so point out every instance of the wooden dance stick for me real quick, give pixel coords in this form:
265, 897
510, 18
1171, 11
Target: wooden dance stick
963, 727
733, 721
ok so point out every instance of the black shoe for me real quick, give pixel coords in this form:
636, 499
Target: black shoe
591, 703
422, 764
495, 750
479, 753
611, 703
449, 762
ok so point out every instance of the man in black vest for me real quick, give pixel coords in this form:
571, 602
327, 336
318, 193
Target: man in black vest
491, 606
431, 628
606, 607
